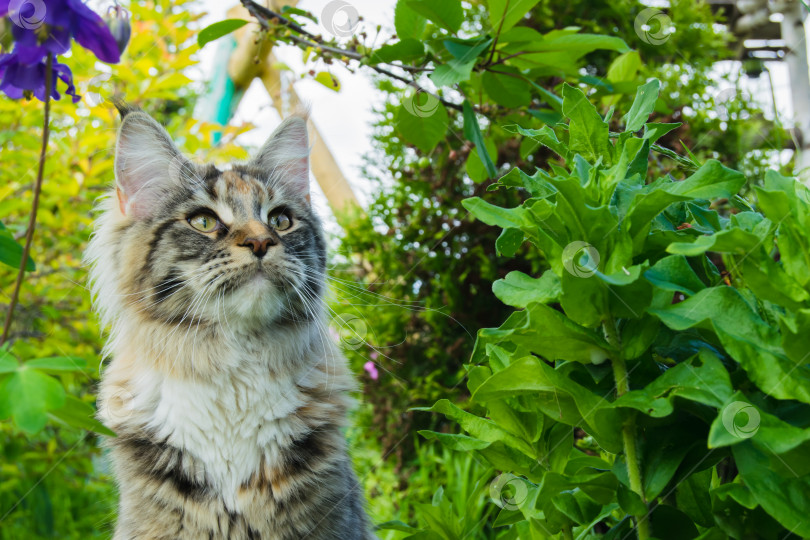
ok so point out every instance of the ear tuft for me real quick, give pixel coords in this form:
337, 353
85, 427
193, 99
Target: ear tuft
145, 157
125, 108
285, 155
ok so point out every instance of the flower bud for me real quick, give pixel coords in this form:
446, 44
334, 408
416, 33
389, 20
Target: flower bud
117, 20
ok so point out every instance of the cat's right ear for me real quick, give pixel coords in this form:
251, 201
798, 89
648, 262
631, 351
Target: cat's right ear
145, 157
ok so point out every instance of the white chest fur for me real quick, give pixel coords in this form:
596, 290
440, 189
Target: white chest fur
228, 425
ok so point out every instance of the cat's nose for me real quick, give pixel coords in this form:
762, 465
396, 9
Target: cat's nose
259, 244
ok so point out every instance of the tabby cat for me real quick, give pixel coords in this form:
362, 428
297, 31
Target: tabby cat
227, 395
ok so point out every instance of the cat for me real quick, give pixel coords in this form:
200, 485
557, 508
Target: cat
227, 396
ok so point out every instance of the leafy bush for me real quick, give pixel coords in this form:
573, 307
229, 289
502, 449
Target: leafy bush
643, 379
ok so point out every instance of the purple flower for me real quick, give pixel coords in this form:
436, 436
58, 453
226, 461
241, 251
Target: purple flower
371, 369
42, 27
16, 77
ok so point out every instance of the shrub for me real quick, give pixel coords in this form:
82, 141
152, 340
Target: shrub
655, 377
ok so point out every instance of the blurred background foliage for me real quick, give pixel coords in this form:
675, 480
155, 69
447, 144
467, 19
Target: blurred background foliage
415, 270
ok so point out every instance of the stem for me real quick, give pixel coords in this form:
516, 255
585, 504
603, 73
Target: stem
629, 427
32, 218
567, 534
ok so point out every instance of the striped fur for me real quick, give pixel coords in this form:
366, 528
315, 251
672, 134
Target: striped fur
227, 395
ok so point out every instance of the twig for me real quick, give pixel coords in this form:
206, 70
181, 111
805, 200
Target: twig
32, 218
265, 15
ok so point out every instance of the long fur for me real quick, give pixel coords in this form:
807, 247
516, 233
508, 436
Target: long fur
224, 388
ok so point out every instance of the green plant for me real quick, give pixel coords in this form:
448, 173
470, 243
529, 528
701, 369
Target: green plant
644, 382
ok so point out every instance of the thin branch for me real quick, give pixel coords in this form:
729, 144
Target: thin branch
265, 15
498, 33
32, 218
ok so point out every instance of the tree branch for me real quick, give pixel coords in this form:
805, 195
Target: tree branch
265, 16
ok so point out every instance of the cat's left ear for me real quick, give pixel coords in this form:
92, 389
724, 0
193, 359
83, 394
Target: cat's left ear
147, 163
285, 155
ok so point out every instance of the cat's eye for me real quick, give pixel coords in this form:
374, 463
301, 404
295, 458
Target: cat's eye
280, 220
204, 223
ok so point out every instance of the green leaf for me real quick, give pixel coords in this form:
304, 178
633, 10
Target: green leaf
27, 395
453, 72
558, 50
472, 132
474, 165
654, 131
643, 106
547, 137
625, 67
519, 290
545, 331
504, 14
673, 273
739, 420
396, 525
638, 335
480, 428
733, 240
447, 14
702, 379
692, 496
424, 126
8, 364
786, 499
218, 29
405, 50
557, 396
58, 363
710, 181
408, 23
588, 133
751, 341
77, 413
328, 80
506, 87
11, 253
495, 215
508, 242
455, 441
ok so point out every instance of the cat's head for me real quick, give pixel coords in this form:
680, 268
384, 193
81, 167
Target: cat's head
183, 243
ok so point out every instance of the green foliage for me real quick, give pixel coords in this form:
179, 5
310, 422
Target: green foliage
642, 379
53, 482
218, 29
